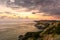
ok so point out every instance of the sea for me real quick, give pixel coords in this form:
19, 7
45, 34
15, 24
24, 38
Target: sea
10, 29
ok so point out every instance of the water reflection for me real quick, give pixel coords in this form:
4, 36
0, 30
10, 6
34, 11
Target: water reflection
11, 31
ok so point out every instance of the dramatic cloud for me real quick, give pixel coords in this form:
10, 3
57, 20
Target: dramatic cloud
49, 7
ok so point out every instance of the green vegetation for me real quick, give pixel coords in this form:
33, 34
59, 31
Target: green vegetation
50, 30
58, 29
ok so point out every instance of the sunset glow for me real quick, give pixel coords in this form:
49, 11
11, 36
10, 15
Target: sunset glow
27, 15
24, 14
7, 12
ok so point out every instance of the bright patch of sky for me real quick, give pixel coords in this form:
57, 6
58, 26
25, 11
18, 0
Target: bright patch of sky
12, 0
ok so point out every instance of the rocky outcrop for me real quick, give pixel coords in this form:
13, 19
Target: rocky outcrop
48, 32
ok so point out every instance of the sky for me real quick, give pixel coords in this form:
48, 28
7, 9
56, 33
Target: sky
32, 9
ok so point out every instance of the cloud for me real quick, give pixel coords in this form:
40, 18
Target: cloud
49, 7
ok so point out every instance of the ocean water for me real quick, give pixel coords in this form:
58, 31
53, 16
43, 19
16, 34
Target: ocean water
11, 29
